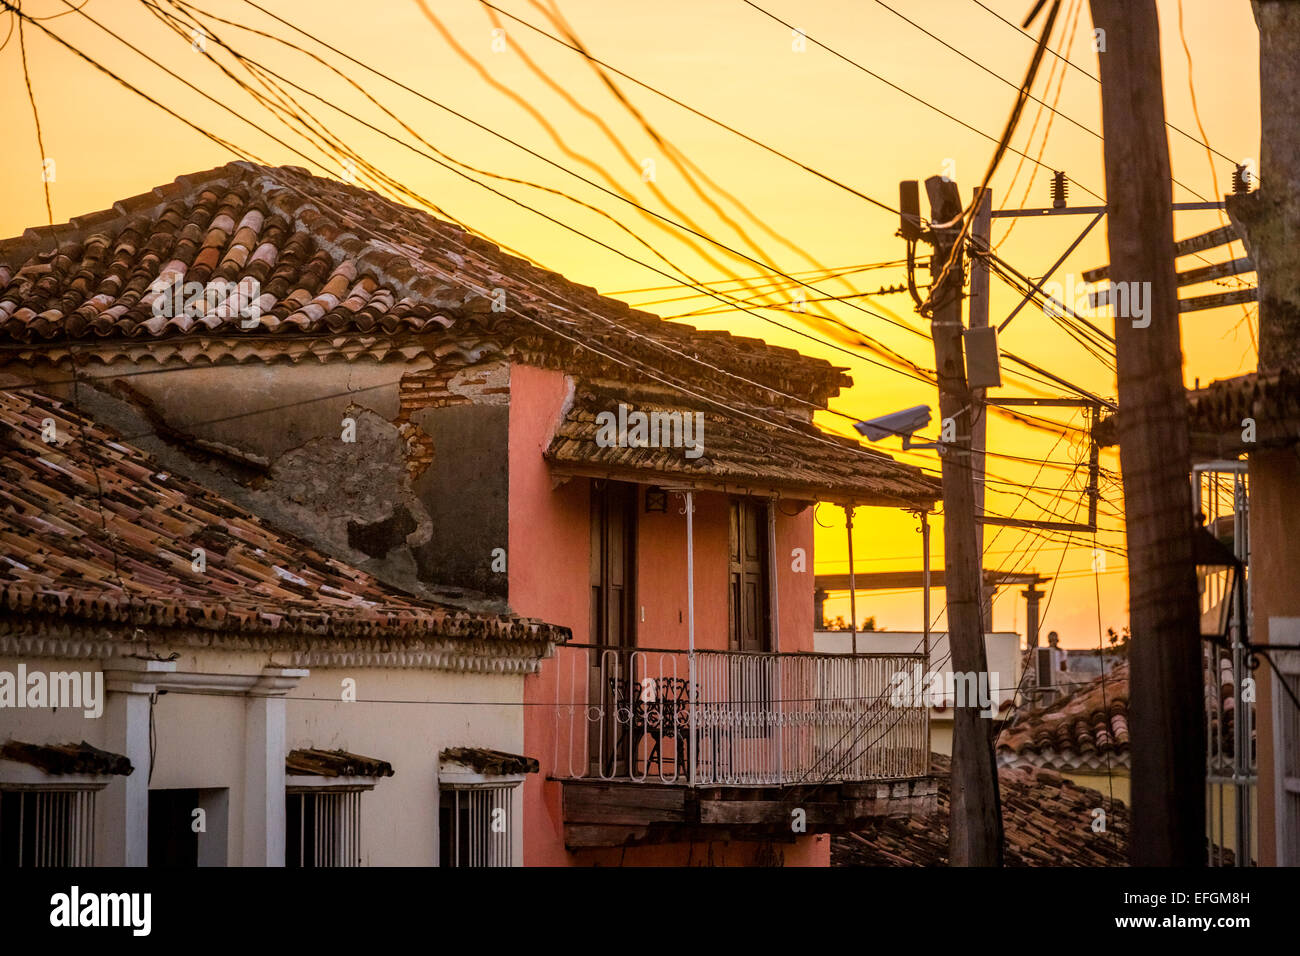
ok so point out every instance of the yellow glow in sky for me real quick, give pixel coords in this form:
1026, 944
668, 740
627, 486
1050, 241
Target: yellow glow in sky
726, 59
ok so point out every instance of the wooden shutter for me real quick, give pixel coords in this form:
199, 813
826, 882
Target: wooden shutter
748, 573
613, 563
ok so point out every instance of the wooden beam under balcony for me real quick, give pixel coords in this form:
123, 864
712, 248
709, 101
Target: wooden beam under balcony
605, 813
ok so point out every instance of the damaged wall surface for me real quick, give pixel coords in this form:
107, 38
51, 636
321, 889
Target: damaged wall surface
397, 467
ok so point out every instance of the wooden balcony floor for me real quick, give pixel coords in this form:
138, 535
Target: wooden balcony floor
611, 813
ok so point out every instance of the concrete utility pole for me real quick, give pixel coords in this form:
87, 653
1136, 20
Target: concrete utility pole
975, 829
1167, 705
1269, 218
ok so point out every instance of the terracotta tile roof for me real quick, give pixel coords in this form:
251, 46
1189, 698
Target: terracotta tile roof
1072, 734
1269, 397
737, 453
495, 763
1047, 821
1085, 730
67, 758
335, 763
330, 259
131, 562
1221, 722
1215, 413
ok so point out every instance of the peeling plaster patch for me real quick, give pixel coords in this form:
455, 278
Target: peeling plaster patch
362, 484
380, 537
345, 486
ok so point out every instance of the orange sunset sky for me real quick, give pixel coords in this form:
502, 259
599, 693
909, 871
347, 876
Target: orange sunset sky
729, 60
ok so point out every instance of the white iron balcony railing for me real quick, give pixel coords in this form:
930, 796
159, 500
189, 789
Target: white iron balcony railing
727, 718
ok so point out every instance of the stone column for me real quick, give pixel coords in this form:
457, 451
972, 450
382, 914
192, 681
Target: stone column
122, 812
264, 756
1032, 596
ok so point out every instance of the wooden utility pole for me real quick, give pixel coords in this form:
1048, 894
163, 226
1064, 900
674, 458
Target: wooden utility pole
1269, 219
975, 829
1167, 705
982, 233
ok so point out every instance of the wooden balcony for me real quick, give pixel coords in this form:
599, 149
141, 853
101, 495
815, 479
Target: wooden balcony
599, 813
658, 746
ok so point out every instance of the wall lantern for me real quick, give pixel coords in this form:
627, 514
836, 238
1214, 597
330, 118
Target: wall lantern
1213, 556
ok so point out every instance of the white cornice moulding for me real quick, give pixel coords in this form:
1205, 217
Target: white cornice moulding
132, 675
148, 677
95, 642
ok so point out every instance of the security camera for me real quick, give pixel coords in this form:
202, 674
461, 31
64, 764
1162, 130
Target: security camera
903, 423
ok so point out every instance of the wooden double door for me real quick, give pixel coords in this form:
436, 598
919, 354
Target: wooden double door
612, 743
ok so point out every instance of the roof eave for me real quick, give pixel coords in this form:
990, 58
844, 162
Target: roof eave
757, 487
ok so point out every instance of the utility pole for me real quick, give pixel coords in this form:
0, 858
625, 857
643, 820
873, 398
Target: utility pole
1269, 218
1167, 705
982, 233
975, 829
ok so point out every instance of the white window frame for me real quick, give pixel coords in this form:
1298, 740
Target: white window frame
484, 794
1286, 740
337, 843
70, 794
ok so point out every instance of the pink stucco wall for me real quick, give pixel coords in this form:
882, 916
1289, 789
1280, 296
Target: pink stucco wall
1274, 556
548, 566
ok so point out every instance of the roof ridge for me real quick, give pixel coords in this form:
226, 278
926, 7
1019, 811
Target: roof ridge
422, 258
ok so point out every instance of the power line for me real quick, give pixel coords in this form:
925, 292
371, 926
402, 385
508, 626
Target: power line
702, 115
470, 179
36, 117
1095, 78
865, 339
873, 455
735, 252
471, 121
665, 381
1073, 15
1052, 107
580, 157
763, 280
63, 13
878, 346
967, 217
900, 89
680, 160
239, 153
